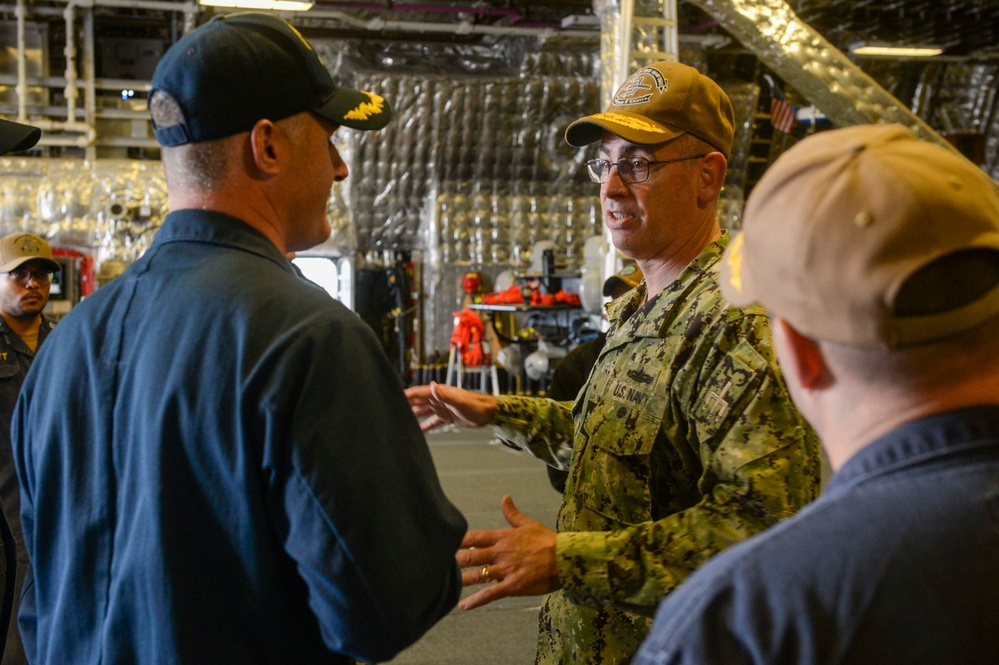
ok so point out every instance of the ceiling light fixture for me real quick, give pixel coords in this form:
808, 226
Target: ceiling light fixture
888, 51
275, 5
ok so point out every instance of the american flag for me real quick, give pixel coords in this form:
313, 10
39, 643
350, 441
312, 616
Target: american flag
781, 113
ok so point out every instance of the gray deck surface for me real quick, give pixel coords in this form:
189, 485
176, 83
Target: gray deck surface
475, 475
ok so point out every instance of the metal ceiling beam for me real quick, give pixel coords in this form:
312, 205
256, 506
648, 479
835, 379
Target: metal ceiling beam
812, 65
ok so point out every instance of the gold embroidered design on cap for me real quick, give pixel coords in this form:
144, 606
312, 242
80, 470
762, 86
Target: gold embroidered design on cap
367, 109
628, 121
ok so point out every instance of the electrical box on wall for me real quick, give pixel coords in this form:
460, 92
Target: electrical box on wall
128, 57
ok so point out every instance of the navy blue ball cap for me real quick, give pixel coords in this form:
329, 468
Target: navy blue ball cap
15, 137
240, 68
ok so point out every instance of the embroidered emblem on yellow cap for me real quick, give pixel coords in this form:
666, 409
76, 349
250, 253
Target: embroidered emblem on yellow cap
27, 245
366, 109
636, 85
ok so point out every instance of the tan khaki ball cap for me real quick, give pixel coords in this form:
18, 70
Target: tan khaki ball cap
18, 248
841, 221
659, 103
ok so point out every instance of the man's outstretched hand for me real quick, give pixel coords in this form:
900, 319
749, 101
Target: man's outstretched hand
511, 562
447, 405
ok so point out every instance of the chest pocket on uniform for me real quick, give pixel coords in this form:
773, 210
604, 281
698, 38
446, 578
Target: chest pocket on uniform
9, 370
623, 424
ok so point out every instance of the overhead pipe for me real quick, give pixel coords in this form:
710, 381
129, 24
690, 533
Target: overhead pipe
60, 82
461, 28
70, 52
89, 76
449, 9
515, 17
157, 5
86, 131
21, 89
37, 11
190, 9
87, 134
190, 18
626, 19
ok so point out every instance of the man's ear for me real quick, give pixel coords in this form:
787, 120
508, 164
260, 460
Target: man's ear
264, 138
712, 176
800, 356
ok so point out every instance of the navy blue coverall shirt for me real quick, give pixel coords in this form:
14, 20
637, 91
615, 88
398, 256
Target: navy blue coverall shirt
219, 465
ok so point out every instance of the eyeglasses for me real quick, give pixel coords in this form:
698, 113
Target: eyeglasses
631, 169
21, 275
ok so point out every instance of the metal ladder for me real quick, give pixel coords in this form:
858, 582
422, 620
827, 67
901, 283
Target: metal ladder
659, 40
665, 45
637, 39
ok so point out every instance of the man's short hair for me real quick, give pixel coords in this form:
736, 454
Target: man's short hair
936, 366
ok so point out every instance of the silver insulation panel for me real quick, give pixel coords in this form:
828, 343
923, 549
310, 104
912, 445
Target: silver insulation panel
110, 208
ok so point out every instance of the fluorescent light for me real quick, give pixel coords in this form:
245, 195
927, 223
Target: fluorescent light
896, 51
276, 5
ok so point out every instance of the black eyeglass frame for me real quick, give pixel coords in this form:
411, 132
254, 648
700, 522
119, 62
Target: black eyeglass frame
600, 177
23, 275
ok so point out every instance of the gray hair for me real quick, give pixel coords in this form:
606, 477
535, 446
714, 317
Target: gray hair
192, 166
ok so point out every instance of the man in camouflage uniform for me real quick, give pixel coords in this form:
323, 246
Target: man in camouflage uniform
876, 254
684, 440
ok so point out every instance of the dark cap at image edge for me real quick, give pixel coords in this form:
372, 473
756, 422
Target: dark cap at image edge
17, 137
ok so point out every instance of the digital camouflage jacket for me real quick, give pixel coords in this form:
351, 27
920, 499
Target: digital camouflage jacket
683, 442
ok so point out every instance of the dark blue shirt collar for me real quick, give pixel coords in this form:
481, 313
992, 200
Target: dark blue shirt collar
193, 225
960, 432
